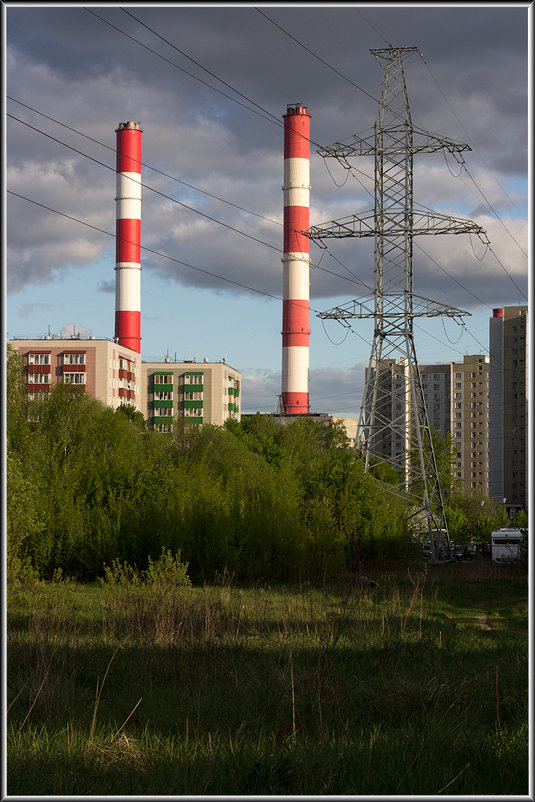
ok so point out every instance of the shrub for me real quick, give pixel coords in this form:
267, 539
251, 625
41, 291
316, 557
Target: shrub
153, 600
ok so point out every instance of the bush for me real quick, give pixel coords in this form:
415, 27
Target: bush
154, 601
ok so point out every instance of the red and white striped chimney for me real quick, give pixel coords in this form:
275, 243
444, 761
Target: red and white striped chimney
296, 260
128, 237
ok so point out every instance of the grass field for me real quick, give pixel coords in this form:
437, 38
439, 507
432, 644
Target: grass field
417, 686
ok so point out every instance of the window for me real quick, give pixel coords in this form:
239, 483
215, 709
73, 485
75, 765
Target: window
39, 359
163, 395
190, 395
193, 412
74, 359
458, 395
192, 378
163, 412
38, 378
162, 379
74, 378
458, 375
162, 427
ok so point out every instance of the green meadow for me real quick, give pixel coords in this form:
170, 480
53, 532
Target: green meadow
418, 686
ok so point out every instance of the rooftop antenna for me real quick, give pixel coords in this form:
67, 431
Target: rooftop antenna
393, 425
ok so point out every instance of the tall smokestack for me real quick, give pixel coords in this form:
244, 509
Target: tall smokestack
128, 237
295, 311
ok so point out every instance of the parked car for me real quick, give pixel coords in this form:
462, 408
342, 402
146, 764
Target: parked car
463, 551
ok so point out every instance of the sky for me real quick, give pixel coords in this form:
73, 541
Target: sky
209, 85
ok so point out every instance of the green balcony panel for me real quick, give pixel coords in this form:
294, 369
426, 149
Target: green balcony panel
193, 404
160, 388
193, 388
160, 404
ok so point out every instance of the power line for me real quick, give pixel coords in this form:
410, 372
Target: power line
354, 277
350, 168
312, 53
176, 66
145, 248
341, 75
469, 139
479, 154
144, 164
272, 117
174, 200
197, 64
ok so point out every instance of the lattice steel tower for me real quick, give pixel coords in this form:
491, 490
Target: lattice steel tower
393, 425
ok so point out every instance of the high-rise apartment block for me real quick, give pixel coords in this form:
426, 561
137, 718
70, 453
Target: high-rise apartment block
199, 392
457, 401
470, 421
508, 339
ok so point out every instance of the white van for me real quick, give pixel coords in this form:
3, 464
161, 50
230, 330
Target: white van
506, 545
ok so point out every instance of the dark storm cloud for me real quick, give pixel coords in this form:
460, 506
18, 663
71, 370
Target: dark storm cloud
471, 84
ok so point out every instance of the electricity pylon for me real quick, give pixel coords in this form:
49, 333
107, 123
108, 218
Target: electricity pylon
393, 424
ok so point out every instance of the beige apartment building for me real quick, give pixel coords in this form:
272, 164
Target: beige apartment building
470, 421
200, 392
106, 370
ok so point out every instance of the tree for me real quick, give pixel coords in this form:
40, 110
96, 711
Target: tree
133, 415
17, 425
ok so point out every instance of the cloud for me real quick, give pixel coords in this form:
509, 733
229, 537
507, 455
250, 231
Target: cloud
73, 330
470, 85
336, 390
106, 286
27, 310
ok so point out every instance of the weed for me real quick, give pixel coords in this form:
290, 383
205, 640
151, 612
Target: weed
145, 683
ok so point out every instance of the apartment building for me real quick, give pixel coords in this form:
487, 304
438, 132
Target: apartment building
390, 439
108, 371
436, 383
470, 421
457, 401
199, 392
509, 398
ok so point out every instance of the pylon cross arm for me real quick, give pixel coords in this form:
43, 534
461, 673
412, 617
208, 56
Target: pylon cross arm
393, 225
394, 307
395, 140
